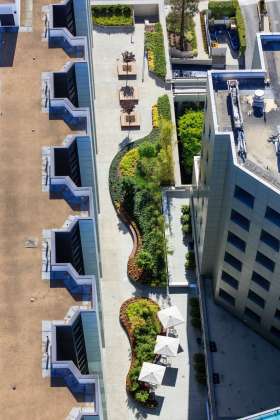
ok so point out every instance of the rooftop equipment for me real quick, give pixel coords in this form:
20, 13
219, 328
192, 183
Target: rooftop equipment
258, 100
233, 89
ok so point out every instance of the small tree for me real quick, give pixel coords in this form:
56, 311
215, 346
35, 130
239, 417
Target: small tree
182, 9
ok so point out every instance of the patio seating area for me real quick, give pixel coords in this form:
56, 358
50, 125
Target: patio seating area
128, 95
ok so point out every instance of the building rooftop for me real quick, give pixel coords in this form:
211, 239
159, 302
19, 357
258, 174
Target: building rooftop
24, 212
258, 127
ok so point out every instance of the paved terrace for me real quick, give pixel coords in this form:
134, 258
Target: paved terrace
116, 242
24, 212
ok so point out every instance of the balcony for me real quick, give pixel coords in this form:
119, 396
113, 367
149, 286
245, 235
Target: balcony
68, 173
70, 257
66, 26
66, 96
72, 355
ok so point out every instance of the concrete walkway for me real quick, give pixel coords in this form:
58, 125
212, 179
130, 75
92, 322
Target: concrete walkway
177, 245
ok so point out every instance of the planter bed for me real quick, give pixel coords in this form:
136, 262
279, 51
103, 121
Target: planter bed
138, 316
136, 195
113, 16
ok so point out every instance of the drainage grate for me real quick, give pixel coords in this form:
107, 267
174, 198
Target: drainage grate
31, 243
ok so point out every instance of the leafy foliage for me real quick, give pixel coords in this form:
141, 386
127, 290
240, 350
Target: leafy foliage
140, 194
129, 162
164, 107
180, 21
154, 42
190, 261
221, 9
195, 313
186, 221
190, 127
112, 15
145, 326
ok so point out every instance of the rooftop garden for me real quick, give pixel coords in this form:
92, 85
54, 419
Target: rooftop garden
190, 126
139, 318
181, 26
230, 9
154, 45
112, 15
137, 174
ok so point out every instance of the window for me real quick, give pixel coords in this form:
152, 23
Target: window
275, 331
265, 261
240, 220
243, 196
227, 297
270, 240
234, 262
236, 241
260, 280
231, 281
256, 298
252, 315
277, 314
273, 216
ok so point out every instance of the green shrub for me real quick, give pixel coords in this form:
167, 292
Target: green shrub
190, 128
113, 15
129, 162
221, 9
185, 209
142, 315
241, 30
147, 149
190, 261
142, 396
163, 105
154, 41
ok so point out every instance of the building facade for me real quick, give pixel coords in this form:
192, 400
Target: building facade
236, 203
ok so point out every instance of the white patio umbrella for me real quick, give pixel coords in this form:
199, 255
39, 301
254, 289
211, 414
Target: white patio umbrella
151, 373
167, 346
171, 316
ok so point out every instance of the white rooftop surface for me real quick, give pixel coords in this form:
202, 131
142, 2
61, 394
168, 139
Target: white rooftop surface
173, 201
248, 365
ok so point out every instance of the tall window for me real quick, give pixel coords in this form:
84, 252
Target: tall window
227, 297
234, 262
270, 240
265, 261
254, 297
236, 241
240, 220
243, 196
231, 281
260, 280
273, 216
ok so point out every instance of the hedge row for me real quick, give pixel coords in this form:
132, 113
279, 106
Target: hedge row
240, 28
154, 41
112, 15
220, 9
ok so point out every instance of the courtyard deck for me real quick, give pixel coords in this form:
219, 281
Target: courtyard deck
179, 393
